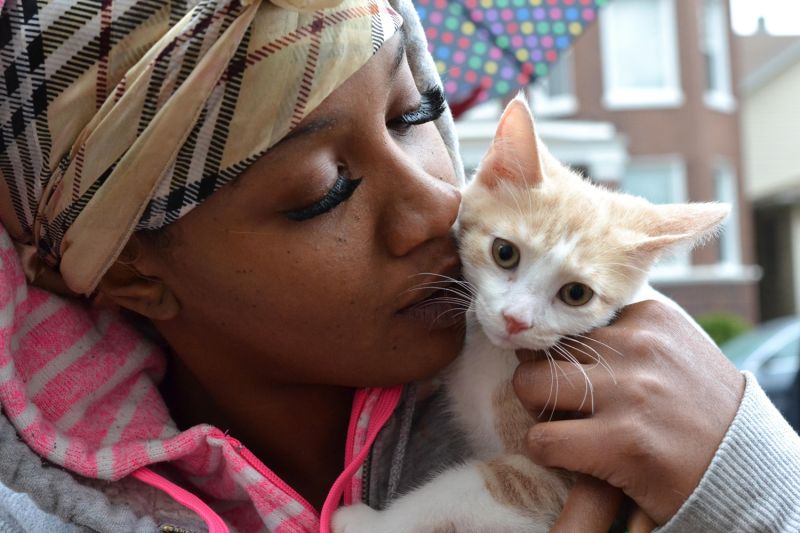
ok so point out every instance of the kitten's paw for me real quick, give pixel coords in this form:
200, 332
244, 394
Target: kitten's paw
358, 518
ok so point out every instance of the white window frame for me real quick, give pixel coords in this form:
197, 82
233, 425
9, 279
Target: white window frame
726, 191
718, 99
562, 105
616, 97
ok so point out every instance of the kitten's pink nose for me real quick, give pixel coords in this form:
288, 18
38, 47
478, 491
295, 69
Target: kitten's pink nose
513, 325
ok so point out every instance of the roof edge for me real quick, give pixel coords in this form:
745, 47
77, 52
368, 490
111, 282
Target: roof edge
771, 69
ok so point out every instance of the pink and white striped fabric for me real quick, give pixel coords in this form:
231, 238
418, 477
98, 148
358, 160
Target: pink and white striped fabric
79, 385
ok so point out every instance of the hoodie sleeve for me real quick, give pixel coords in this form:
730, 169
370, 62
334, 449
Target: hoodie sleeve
753, 481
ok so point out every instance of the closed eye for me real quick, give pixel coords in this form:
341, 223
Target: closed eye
342, 189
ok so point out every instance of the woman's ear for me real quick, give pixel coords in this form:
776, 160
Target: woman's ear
125, 285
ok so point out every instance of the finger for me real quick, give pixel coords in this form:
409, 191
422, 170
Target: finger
593, 349
524, 355
577, 348
639, 522
585, 446
649, 316
591, 507
547, 386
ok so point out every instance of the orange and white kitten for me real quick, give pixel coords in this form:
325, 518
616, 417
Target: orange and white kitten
548, 257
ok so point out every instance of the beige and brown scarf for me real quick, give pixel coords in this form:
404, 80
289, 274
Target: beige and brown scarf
123, 115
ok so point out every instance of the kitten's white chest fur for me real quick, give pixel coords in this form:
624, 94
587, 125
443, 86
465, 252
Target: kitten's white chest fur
472, 384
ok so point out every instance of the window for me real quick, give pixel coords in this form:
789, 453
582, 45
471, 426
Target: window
725, 191
640, 54
714, 47
554, 95
661, 180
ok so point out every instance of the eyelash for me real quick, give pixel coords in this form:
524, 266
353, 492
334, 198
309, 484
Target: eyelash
341, 191
431, 107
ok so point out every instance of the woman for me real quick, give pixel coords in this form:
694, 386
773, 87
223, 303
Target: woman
283, 292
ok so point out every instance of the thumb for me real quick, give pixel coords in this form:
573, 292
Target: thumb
591, 507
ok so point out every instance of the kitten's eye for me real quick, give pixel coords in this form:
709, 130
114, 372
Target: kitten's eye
505, 254
575, 294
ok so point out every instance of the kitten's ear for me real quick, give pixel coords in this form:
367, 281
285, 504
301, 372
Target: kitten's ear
514, 155
672, 224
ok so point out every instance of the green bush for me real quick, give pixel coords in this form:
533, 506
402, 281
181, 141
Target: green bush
722, 327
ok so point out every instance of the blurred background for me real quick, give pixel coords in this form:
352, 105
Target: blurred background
673, 100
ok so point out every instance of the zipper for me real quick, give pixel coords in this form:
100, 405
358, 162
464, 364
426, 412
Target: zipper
169, 528
262, 469
365, 476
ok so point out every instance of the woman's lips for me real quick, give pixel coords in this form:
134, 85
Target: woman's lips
438, 311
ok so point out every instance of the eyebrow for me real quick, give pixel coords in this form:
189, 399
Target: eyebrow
314, 126
400, 56
327, 122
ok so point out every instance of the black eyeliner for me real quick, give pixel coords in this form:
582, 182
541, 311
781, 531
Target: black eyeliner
337, 194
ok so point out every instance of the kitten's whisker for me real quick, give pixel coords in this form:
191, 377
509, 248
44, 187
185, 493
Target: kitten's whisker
437, 274
443, 281
588, 391
512, 193
627, 266
458, 309
563, 372
620, 272
515, 193
441, 287
595, 355
455, 293
601, 344
458, 304
435, 287
445, 313
553, 385
625, 275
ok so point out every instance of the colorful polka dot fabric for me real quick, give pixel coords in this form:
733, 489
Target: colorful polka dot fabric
489, 48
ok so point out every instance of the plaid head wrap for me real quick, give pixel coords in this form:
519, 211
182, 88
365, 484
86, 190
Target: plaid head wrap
121, 115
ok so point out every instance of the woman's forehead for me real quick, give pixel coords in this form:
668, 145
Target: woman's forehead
384, 67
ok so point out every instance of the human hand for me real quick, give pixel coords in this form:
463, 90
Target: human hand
659, 414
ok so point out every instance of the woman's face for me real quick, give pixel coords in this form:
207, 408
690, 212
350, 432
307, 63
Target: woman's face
286, 274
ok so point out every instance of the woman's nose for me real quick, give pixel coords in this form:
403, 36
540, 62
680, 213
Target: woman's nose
420, 207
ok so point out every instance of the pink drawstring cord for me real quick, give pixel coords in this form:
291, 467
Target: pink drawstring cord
382, 411
184, 497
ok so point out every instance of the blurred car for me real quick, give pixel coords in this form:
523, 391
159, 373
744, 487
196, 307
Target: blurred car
771, 351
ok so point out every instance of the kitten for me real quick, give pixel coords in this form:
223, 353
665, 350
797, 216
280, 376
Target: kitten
547, 255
